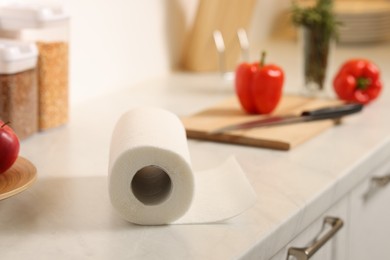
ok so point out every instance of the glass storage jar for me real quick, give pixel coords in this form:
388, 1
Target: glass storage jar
18, 87
48, 27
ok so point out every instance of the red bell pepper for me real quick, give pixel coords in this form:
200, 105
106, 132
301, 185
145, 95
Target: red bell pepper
259, 86
358, 80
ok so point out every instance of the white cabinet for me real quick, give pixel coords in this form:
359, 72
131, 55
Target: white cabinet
369, 235
365, 234
324, 234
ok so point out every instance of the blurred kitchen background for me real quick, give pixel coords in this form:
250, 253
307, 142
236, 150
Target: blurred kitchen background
118, 44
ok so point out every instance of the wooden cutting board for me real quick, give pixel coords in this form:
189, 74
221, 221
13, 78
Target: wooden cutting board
284, 137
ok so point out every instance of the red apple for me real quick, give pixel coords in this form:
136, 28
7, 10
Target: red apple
9, 147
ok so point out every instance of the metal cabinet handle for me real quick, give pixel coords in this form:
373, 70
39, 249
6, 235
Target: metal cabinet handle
306, 252
377, 183
381, 181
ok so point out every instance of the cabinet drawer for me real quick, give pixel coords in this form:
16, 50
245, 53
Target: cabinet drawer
370, 214
333, 249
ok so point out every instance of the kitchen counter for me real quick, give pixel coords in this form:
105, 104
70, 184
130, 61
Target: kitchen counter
66, 214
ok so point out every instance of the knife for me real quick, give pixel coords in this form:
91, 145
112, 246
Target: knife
334, 112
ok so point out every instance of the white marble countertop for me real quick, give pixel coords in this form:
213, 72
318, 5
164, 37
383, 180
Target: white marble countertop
66, 214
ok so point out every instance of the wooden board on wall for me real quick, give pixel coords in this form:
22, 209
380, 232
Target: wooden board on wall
227, 16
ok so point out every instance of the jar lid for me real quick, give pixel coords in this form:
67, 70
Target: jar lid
17, 16
17, 56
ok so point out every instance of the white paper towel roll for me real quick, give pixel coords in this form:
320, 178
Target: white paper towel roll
150, 177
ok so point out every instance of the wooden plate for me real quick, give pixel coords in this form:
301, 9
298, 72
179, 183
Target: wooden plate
18, 178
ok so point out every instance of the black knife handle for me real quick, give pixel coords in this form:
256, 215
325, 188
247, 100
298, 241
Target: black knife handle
333, 112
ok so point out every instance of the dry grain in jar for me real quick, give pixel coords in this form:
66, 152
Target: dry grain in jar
18, 102
53, 84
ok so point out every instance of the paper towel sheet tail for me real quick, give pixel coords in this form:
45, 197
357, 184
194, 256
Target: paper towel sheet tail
221, 193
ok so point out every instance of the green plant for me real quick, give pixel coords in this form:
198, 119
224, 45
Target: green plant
319, 27
317, 17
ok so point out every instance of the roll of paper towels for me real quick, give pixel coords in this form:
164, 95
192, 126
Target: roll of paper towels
151, 181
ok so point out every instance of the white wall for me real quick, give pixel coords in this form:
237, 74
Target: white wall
119, 43
116, 44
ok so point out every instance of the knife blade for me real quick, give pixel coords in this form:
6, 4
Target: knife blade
333, 112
